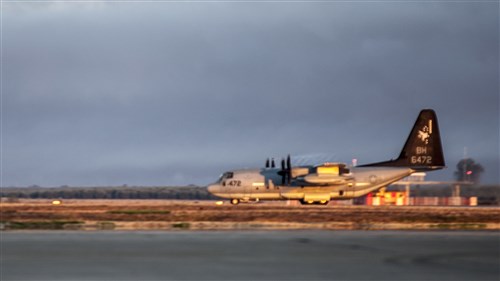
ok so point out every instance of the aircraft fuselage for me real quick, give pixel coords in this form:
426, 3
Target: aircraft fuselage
265, 184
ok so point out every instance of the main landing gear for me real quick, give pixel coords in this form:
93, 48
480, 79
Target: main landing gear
322, 202
235, 201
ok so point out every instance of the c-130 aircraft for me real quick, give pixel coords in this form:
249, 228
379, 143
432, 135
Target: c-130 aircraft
329, 181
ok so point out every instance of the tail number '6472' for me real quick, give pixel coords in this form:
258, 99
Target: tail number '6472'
421, 160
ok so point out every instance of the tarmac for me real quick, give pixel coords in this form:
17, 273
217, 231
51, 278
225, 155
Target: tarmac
250, 255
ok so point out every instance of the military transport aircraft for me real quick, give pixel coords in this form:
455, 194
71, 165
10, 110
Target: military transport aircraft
322, 183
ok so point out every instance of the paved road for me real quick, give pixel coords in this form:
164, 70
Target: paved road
272, 255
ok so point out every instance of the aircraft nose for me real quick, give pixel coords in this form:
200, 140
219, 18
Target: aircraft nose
212, 188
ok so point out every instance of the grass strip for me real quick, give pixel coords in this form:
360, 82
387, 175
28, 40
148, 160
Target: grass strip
139, 212
52, 225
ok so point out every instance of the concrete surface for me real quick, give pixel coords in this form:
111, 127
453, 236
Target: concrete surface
254, 255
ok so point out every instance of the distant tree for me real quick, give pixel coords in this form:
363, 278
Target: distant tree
469, 170
187, 192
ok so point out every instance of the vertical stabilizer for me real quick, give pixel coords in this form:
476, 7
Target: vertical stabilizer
422, 150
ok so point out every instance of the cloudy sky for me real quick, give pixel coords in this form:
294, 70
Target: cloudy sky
169, 93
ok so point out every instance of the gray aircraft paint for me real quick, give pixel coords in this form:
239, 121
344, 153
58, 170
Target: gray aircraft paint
254, 184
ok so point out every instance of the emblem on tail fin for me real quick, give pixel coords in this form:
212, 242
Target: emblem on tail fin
425, 133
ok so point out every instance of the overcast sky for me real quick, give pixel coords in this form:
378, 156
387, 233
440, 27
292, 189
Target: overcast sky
176, 93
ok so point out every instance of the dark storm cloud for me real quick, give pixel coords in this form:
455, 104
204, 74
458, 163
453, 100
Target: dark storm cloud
175, 93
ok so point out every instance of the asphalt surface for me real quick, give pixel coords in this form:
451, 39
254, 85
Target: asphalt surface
256, 255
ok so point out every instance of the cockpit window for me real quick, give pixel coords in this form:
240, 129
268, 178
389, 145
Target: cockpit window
220, 178
225, 176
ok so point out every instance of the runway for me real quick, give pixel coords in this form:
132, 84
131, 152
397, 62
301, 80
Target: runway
250, 255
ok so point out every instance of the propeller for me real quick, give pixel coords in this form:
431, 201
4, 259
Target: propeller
286, 171
270, 164
283, 172
289, 169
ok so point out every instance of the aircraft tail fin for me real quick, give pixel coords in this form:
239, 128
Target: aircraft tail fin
422, 150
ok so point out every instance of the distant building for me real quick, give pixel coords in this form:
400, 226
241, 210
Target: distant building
419, 176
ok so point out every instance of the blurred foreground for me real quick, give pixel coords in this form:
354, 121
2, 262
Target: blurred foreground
251, 255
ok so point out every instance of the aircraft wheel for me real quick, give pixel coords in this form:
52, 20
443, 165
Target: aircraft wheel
235, 201
323, 202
